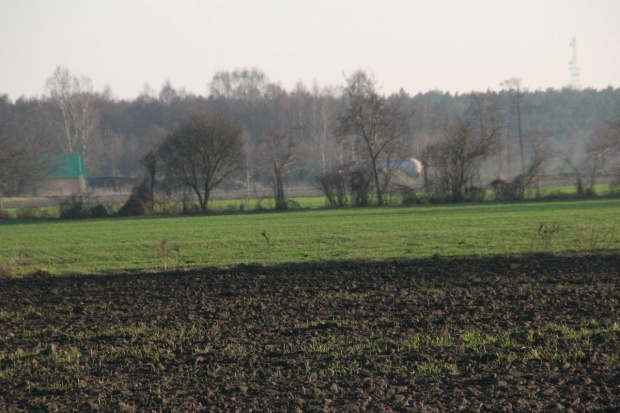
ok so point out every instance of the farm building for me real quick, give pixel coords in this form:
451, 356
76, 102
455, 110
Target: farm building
113, 184
67, 176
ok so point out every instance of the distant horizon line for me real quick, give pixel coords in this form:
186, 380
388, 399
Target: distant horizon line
185, 94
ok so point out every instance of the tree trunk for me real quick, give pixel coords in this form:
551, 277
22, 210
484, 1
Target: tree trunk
376, 176
201, 201
206, 197
457, 186
152, 190
425, 174
247, 183
593, 177
500, 170
280, 199
520, 132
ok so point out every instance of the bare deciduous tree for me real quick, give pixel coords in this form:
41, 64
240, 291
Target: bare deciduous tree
168, 94
612, 133
578, 175
514, 85
600, 146
73, 97
374, 122
524, 181
280, 149
324, 107
22, 165
149, 162
485, 113
202, 153
455, 158
241, 84
5, 156
360, 182
334, 187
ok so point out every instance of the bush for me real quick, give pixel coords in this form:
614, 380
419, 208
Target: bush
73, 208
134, 207
292, 204
333, 185
26, 213
99, 211
361, 186
16, 265
502, 190
408, 195
474, 194
138, 202
190, 207
4, 215
614, 185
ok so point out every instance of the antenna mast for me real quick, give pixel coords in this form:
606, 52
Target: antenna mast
573, 67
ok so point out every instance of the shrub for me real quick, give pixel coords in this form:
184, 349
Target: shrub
190, 207
4, 215
408, 195
99, 211
138, 202
134, 207
474, 194
16, 265
73, 208
333, 185
292, 204
361, 187
614, 185
502, 190
165, 251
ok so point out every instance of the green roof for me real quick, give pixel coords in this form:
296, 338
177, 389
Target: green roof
66, 166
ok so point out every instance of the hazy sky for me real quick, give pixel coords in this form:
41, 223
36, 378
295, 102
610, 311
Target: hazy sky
419, 45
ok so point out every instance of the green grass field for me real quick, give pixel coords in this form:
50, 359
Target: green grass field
104, 245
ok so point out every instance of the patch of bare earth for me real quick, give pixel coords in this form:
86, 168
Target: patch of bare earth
513, 334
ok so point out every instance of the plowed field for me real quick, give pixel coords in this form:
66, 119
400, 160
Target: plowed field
514, 334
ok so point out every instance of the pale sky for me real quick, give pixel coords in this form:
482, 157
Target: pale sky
419, 45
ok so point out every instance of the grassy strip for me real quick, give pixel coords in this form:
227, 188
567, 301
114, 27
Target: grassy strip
241, 205
308, 235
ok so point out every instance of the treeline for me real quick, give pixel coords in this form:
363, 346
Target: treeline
113, 135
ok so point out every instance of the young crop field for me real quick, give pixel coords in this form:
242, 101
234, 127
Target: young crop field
533, 333
267, 238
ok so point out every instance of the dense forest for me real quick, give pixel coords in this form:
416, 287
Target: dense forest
113, 136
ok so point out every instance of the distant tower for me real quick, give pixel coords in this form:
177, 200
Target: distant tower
573, 67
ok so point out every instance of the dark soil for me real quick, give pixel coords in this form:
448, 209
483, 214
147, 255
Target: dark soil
503, 334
